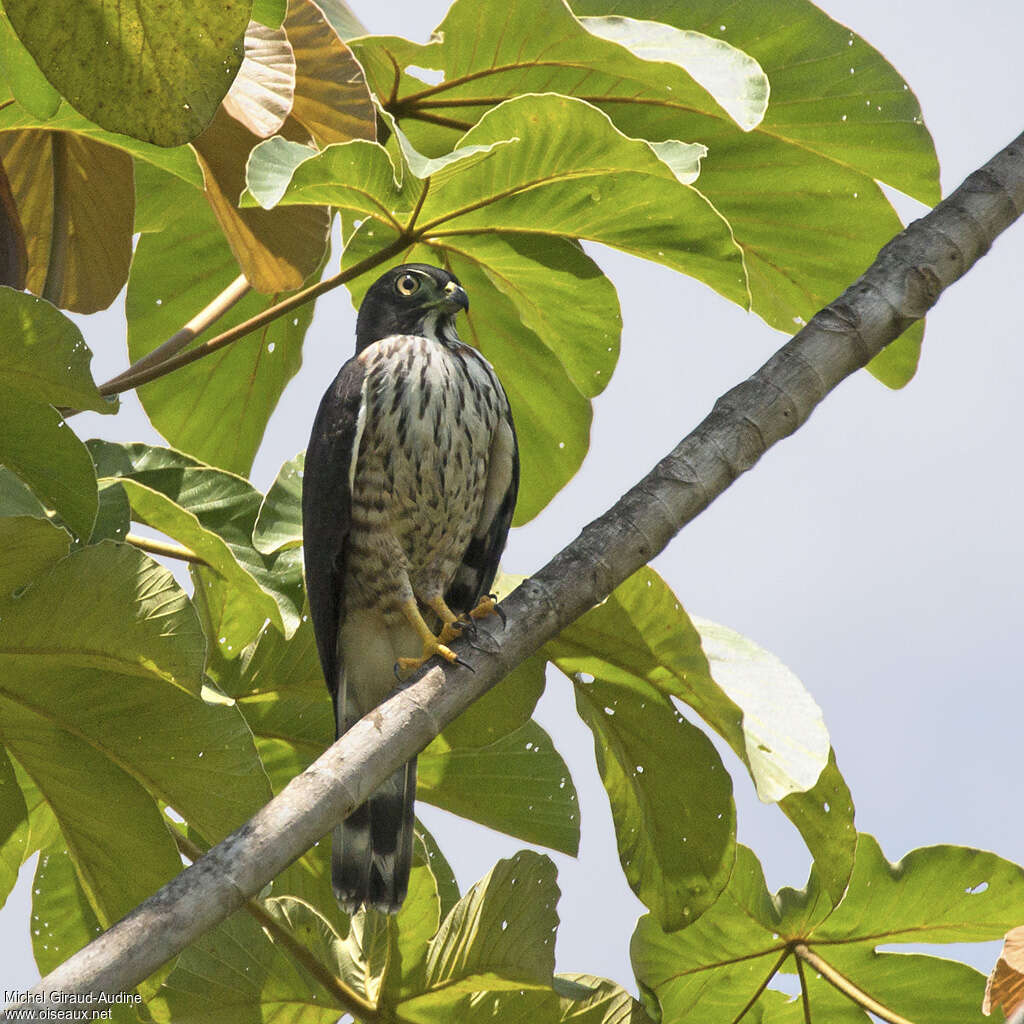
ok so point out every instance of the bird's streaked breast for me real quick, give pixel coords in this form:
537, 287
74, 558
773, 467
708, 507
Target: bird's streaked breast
431, 413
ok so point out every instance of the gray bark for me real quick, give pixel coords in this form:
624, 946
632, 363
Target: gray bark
901, 285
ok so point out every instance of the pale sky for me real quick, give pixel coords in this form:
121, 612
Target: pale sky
878, 552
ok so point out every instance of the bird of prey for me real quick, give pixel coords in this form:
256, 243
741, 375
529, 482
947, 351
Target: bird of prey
409, 484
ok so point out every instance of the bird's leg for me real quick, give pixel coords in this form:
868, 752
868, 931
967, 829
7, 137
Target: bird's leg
452, 627
431, 644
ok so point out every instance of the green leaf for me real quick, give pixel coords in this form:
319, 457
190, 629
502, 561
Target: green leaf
816, 218
17, 499
518, 784
824, 817
488, 54
499, 936
42, 825
235, 972
62, 919
733, 78
840, 118
934, 894
671, 799
13, 827
919, 988
31, 545
713, 969
39, 447
218, 407
641, 637
26, 81
99, 706
279, 522
269, 12
786, 743
540, 153
604, 1003
709, 971
212, 512
501, 710
155, 72
354, 959
43, 354
113, 519
440, 869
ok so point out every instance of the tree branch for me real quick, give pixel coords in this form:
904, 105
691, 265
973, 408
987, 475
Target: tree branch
901, 285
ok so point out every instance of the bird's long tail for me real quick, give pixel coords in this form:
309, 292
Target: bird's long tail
372, 852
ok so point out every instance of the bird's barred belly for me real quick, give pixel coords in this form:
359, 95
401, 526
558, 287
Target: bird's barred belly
421, 471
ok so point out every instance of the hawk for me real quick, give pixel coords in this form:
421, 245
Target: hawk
410, 480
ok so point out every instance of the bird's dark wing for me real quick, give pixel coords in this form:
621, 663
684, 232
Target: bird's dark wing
475, 575
327, 507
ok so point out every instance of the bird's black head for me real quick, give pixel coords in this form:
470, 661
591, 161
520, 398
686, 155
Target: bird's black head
411, 299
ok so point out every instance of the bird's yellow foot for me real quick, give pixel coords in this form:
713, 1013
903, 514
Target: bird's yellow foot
487, 605
435, 645
484, 607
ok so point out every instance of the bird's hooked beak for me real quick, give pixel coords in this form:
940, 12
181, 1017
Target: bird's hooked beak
454, 298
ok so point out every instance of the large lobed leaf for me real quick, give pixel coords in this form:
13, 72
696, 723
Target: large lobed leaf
839, 118
321, 96
712, 970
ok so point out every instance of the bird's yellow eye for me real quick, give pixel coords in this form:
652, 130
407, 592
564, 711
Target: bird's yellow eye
407, 284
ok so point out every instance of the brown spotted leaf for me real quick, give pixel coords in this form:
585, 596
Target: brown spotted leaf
13, 255
76, 201
1005, 987
275, 249
332, 100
